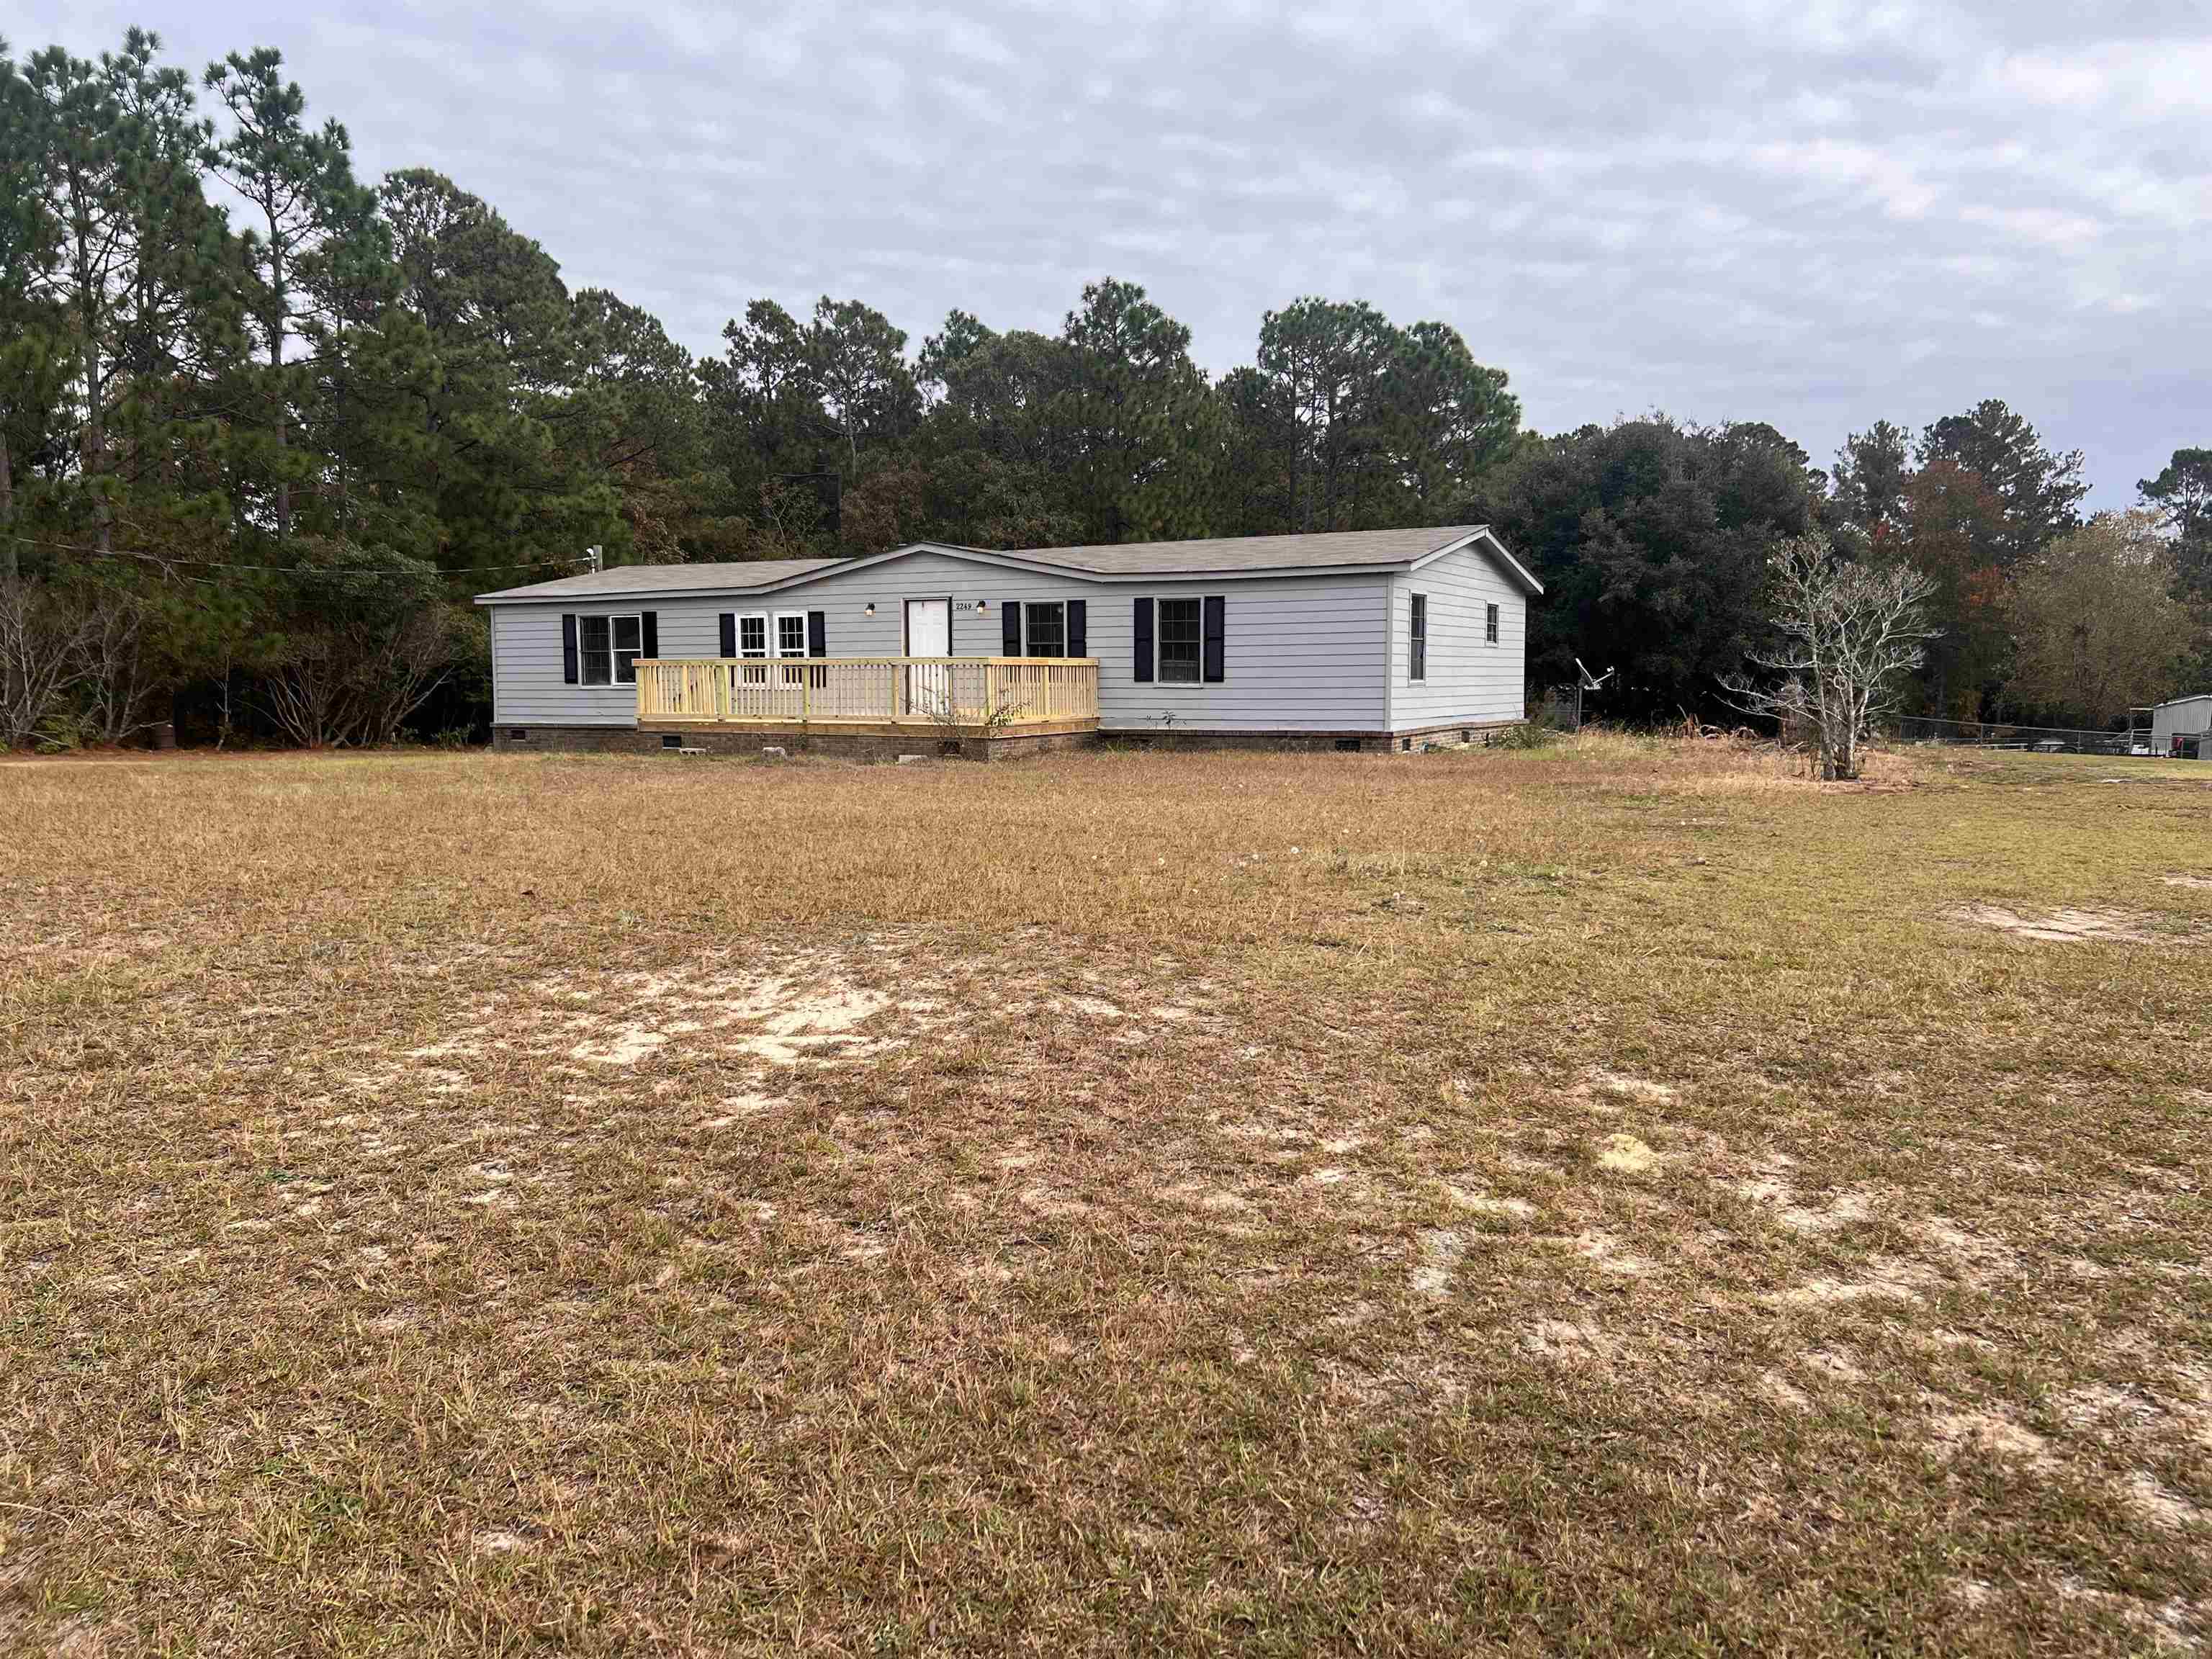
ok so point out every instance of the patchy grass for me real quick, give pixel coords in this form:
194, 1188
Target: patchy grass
1603, 1197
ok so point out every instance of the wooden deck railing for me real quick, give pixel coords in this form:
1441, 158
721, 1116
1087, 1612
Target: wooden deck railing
1008, 692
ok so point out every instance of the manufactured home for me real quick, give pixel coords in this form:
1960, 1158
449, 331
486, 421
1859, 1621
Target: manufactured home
1383, 640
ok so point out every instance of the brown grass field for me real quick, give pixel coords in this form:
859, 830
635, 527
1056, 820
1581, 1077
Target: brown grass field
1622, 1197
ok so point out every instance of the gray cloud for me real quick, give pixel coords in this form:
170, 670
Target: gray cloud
1816, 215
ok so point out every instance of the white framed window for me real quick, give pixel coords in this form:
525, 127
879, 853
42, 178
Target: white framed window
752, 644
790, 641
608, 647
1044, 627
1490, 625
1181, 640
1417, 652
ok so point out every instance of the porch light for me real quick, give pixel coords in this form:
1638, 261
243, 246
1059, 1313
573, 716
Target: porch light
868, 610
981, 605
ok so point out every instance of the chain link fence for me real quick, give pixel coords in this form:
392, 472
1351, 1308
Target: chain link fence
2041, 739
1559, 707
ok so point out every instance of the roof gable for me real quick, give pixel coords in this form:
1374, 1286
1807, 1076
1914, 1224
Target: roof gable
1484, 540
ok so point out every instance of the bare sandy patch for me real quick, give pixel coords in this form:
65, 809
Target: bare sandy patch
1599, 1080
1783, 1392
1887, 1277
2202, 883
1626, 1155
1441, 1250
1091, 1008
1840, 1210
1572, 1342
2099, 1405
2065, 926
1482, 1203
2157, 1503
1960, 1430
1602, 1250
1975, 1593
1976, 1259
626, 1047
739, 1106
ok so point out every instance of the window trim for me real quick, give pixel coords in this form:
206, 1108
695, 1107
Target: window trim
1493, 616
1416, 640
1198, 681
609, 617
753, 670
1030, 607
777, 653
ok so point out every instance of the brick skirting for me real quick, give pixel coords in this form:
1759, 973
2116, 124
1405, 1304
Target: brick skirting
842, 745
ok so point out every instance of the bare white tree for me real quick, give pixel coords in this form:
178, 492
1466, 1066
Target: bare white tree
1851, 632
43, 636
120, 679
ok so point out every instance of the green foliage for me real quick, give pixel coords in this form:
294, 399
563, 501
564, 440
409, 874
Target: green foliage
2037, 494
243, 442
1651, 538
2095, 623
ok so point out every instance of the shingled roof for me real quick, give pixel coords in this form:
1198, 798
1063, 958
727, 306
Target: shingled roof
1214, 555
665, 578
1331, 549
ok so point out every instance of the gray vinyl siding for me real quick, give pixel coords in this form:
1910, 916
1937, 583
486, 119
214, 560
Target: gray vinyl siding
1299, 653
1469, 679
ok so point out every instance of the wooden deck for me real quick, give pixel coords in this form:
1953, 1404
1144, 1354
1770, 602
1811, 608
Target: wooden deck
957, 695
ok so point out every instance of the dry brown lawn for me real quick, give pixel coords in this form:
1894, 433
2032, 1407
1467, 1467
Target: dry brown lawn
1615, 1198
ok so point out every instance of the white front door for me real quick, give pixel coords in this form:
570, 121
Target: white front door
928, 634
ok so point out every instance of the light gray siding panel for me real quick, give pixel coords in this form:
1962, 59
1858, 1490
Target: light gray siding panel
1300, 653
527, 685
1469, 679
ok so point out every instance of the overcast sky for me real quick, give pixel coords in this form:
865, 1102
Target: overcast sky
1810, 212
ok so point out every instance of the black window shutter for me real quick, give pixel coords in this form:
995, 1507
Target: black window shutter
1216, 666
569, 647
1078, 628
1141, 665
729, 633
648, 632
1010, 628
818, 633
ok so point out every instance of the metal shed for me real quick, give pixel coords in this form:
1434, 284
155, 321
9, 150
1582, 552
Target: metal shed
2179, 726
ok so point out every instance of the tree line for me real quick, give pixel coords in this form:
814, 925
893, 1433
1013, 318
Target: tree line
265, 426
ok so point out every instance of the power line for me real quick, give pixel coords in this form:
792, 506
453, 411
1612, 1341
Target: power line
279, 569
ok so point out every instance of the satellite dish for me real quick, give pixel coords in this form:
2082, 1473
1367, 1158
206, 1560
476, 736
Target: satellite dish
1593, 682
